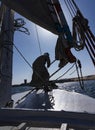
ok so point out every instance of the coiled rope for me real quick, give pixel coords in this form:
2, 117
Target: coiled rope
82, 35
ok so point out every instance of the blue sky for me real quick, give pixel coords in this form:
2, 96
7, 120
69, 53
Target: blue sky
28, 45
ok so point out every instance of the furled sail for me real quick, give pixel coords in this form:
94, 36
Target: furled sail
35, 10
45, 13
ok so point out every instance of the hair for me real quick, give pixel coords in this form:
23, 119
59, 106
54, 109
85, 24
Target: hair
46, 54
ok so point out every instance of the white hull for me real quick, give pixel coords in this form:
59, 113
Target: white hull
56, 109
56, 100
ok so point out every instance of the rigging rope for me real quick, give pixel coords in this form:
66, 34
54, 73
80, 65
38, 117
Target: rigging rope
81, 30
26, 59
19, 26
66, 72
71, 7
55, 72
68, 8
28, 63
17, 102
52, 62
20, 53
38, 40
68, 5
80, 78
72, 72
22, 56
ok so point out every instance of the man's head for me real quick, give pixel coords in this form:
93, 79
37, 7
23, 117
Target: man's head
46, 54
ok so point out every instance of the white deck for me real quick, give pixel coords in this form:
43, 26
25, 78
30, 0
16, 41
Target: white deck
56, 100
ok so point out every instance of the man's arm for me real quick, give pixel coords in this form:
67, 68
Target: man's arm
48, 61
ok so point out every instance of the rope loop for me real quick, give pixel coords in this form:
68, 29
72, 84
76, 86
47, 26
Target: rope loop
80, 77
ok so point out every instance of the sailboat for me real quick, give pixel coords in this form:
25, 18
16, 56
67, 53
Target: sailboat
49, 15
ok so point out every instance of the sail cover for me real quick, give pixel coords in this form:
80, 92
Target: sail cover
37, 11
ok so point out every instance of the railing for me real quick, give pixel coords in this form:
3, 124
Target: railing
46, 119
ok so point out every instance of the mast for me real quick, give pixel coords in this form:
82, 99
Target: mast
6, 54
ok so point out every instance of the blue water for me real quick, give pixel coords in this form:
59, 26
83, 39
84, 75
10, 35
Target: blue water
89, 88
20, 89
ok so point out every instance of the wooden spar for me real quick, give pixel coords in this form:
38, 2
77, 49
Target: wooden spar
6, 55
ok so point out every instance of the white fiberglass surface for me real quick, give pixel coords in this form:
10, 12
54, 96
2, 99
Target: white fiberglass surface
55, 100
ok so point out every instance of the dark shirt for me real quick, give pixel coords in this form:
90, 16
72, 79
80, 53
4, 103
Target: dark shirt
41, 61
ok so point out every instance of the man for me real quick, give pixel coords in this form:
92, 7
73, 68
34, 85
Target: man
40, 75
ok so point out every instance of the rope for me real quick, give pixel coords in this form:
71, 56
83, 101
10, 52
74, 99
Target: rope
68, 8
19, 25
81, 30
89, 41
66, 72
28, 63
73, 72
80, 78
31, 66
71, 7
55, 72
75, 5
52, 62
22, 56
25, 30
38, 40
25, 96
